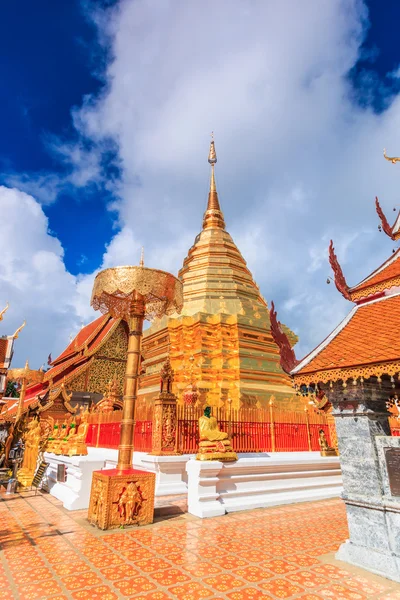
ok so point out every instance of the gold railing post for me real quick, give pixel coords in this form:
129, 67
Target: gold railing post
272, 423
308, 429
230, 418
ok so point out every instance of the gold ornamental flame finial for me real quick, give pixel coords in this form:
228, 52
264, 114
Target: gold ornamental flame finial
3, 312
27, 364
16, 334
213, 217
141, 264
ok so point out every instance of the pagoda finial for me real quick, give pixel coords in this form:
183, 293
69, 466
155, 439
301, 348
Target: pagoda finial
213, 217
141, 264
2, 312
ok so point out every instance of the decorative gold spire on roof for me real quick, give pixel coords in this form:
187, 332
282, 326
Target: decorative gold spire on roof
392, 159
141, 264
213, 217
16, 334
2, 312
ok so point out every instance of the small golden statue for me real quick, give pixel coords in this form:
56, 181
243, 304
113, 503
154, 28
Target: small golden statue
167, 377
325, 449
31, 440
58, 442
53, 439
214, 444
75, 444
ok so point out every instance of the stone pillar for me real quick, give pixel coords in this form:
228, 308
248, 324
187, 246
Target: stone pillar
164, 439
361, 420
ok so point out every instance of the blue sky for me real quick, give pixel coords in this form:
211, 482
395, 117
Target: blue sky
105, 115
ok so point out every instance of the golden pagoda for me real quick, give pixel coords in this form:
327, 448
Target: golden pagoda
222, 340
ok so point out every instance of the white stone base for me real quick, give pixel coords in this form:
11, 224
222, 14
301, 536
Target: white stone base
261, 480
74, 493
171, 477
383, 563
254, 481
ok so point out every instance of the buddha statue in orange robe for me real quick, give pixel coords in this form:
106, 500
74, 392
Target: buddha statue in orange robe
214, 444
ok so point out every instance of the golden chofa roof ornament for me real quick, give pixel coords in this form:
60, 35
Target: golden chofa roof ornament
213, 217
3, 312
392, 159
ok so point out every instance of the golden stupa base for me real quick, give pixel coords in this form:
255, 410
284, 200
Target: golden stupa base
329, 452
223, 456
121, 498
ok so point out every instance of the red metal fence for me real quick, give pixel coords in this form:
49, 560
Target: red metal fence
257, 430
250, 429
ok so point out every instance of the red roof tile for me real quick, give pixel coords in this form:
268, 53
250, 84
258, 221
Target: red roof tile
85, 335
383, 273
370, 336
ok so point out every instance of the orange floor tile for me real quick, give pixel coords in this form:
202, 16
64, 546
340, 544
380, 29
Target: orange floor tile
277, 553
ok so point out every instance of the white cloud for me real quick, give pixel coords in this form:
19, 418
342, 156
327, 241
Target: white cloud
34, 280
299, 161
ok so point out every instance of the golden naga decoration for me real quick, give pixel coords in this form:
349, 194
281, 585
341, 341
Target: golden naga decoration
214, 444
325, 449
25, 376
31, 442
133, 294
3, 312
392, 159
18, 331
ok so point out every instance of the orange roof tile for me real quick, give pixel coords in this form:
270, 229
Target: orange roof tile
368, 335
85, 335
389, 270
3, 351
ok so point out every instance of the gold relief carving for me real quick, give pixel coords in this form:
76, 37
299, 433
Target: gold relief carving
116, 346
165, 425
365, 372
102, 371
118, 499
129, 504
97, 501
375, 289
113, 288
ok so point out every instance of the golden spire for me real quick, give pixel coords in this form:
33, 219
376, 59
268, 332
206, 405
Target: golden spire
213, 217
141, 264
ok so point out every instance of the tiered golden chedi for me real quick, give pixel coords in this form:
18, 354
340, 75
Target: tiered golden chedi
224, 326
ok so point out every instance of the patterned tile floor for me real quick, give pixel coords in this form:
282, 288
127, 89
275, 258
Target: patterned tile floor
284, 552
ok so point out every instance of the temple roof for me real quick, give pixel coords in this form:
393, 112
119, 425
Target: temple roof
383, 278
86, 335
74, 359
365, 343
